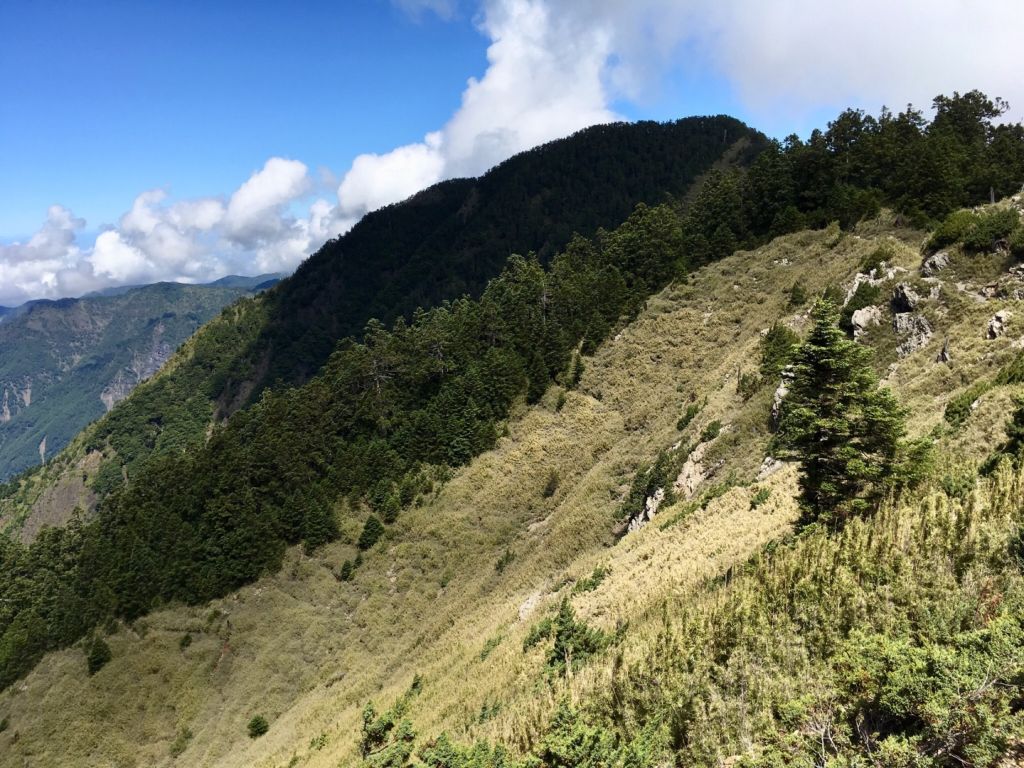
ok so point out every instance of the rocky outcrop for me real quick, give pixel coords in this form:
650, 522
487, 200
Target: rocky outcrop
651, 504
914, 330
935, 264
904, 299
780, 394
769, 467
944, 356
998, 324
862, 319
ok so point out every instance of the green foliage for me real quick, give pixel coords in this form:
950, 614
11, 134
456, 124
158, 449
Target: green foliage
73, 349
186, 641
975, 231
575, 642
747, 385
551, 484
490, 645
373, 529
760, 497
387, 740
317, 743
591, 582
866, 295
97, 654
844, 429
688, 415
181, 741
798, 295
1015, 242
539, 632
505, 560
257, 726
876, 260
711, 431
776, 350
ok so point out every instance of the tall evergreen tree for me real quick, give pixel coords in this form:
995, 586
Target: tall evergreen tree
844, 429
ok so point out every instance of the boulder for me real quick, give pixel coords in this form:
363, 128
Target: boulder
914, 330
769, 467
780, 394
944, 356
865, 318
651, 504
904, 298
935, 264
997, 325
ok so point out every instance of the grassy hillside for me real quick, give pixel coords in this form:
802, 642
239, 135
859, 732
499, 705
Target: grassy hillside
440, 244
65, 363
465, 574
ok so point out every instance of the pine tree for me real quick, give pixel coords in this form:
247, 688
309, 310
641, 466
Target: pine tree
836, 420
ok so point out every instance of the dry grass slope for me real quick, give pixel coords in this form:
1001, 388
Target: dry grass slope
308, 651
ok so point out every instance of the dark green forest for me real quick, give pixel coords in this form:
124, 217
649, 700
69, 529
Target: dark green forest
401, 399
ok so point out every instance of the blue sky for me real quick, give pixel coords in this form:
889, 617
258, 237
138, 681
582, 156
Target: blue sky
184, 140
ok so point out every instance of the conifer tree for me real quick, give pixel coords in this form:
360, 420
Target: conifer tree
836, 420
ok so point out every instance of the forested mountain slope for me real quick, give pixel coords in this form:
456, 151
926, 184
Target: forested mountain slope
442, 243
455, 592
540, 488
65, 363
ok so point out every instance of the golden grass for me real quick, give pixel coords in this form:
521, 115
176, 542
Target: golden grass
308, 651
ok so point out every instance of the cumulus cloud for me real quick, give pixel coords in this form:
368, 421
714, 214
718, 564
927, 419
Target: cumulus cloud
555, 67
254, 229
544, 80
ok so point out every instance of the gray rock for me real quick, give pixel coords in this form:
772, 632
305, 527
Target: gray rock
997, 325
914, 330
780, 394
865, 318
904, 298
769, 467
935, 264
944, 356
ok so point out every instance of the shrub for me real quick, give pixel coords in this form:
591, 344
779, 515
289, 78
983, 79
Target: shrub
489, 646
591, 582
185, 642
798, 294
258, 726
776, 348
505, 561
989, 227
748, 384
97, 654
711, 431
759, 498
575, 642
181, 740
1016, 242
877, 259
538, 632
691, 412
551, 485
346, 571
372, 531
952, 230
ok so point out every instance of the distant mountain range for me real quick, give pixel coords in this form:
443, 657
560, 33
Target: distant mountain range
66, 362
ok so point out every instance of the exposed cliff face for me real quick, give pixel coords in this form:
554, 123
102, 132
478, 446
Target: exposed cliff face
143, 364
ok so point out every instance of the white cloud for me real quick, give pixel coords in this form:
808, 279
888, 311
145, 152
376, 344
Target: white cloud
255, 229
544, 80
553, 67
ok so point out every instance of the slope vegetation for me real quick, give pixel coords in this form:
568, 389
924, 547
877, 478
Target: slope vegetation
464, 576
